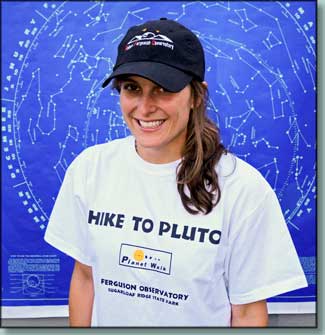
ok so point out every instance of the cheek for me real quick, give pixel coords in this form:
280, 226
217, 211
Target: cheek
125, 106
186, 102
181, 117
184, 108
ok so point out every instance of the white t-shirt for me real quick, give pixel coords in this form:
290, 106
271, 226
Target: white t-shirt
153, 263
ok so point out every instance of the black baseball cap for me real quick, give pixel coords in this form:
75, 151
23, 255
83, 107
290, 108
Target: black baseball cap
163, 51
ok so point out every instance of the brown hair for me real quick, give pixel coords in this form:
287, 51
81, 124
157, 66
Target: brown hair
197, 179
201, 153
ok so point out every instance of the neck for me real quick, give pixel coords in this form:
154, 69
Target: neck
156, 155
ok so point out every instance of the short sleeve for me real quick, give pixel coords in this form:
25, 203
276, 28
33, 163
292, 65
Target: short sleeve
262, 261
67, 229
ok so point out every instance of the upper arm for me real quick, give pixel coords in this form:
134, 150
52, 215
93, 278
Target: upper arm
81, 296
82, 283
261, 260
82, 272
68, 229
249, 315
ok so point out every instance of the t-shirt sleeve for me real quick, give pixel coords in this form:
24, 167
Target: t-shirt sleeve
262, 261
67, 229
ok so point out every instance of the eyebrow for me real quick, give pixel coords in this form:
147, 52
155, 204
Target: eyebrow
129, 79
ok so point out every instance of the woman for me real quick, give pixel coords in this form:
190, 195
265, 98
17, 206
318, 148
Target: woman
166, 227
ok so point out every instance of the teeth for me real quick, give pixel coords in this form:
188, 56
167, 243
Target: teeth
150, 124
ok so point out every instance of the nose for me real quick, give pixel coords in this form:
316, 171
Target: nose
146, 105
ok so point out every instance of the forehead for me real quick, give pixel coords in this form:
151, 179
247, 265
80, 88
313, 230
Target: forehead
139, 80
147, 84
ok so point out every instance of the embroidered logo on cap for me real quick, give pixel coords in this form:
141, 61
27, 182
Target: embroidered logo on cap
150, 38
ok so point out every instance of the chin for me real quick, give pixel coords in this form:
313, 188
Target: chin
149, 144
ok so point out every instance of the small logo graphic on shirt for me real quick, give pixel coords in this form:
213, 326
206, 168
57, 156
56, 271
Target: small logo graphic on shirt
150, 38
145, 258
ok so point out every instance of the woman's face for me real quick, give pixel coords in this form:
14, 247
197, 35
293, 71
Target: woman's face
157, 118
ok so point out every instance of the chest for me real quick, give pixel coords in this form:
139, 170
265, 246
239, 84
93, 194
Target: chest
138, 224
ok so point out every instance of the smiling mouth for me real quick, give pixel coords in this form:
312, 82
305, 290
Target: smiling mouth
150, 124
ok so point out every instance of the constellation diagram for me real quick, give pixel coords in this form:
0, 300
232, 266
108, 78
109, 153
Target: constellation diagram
260, 68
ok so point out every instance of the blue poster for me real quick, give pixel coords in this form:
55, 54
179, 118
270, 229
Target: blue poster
261, 70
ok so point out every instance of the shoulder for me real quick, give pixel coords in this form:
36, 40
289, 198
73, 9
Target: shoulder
102, 152
246, 195
233, 170
96, 162
242, 185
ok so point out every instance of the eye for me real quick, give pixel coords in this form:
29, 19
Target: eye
130, 87
161, 90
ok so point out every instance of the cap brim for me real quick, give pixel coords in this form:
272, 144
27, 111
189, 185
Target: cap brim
168, 77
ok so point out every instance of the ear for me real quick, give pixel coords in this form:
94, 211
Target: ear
192, 102
205, 86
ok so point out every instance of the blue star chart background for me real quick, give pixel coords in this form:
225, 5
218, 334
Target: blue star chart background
261, 70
